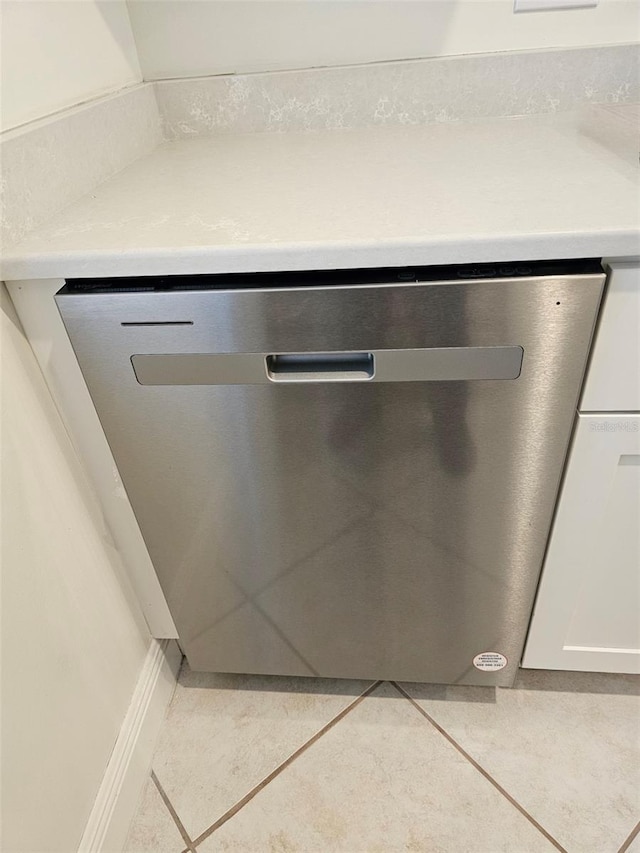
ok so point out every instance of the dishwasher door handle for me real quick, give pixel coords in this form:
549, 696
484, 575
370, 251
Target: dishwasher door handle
321, 367
431, 364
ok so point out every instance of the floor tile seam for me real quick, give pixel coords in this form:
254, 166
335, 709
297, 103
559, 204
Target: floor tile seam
480, 769
253, 792
626, 844
174, 815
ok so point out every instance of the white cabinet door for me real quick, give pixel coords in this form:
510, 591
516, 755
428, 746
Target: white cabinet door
613, 377
587, 613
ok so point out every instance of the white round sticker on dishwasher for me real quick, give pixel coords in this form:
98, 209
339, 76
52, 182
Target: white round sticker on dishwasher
490, 661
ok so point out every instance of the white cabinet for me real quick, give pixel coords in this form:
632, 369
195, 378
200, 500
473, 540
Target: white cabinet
613, 380
587, 612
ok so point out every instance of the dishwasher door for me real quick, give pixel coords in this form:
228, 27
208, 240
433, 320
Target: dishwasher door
346, 481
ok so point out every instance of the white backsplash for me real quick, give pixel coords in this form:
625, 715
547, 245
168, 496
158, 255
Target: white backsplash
48, 164
454, 88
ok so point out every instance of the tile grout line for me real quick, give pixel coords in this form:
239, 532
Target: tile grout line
274, 773
626, 844
481, 769
165, 799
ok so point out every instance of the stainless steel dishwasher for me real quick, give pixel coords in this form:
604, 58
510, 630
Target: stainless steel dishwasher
343, 473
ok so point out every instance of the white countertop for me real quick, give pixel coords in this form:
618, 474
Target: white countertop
500, 189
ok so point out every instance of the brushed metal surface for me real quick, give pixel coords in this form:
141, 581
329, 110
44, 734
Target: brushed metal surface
406, 365
357, 529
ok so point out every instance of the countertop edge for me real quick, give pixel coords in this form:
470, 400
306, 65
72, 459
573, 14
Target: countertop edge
327, 255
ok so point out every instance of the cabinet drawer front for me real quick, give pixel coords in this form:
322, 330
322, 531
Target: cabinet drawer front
613, 378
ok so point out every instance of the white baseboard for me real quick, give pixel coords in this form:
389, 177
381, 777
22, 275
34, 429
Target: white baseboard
128, 768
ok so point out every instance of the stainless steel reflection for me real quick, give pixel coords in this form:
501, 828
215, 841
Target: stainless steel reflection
380, 525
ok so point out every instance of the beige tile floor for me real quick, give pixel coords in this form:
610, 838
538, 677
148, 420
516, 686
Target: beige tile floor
281, 764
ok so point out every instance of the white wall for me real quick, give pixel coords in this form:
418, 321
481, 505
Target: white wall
72, 647
55, 53
182, 38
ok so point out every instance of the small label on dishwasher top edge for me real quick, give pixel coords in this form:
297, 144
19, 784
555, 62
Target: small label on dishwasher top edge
490, 661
